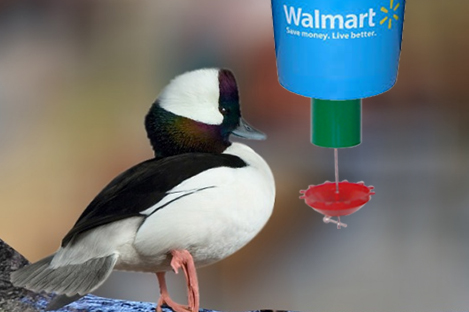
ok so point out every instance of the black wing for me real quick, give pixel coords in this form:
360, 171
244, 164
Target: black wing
144, 185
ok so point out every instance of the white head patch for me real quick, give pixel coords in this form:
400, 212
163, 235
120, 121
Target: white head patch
194, 95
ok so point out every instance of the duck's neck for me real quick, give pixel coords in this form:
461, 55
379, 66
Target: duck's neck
170, 134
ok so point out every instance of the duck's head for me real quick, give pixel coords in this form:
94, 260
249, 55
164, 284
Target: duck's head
197, 112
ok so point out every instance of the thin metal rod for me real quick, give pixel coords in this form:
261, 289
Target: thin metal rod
336, 168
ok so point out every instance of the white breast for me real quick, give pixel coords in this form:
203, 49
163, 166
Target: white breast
212, 223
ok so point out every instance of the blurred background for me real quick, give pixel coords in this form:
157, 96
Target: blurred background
77, 78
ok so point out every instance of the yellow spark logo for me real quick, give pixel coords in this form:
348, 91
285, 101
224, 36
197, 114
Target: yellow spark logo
390, 13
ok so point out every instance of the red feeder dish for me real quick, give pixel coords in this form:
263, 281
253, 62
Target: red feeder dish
325, 199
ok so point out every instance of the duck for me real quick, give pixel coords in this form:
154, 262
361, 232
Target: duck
200, 199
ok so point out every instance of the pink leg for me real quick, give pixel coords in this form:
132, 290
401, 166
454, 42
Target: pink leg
164, 296
181, 259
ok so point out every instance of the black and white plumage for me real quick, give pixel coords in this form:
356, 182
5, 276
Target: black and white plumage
201, 194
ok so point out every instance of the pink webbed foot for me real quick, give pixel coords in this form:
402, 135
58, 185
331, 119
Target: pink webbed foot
181, 259
165, 298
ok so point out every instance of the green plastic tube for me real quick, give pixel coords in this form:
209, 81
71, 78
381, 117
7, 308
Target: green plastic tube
336, 124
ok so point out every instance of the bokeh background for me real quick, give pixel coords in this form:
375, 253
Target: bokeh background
77, 78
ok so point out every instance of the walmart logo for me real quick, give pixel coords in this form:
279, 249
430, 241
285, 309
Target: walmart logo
317, 20
390, 14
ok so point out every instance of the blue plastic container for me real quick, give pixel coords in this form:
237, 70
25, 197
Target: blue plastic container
338, 49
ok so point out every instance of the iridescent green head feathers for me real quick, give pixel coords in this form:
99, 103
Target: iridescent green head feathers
196, 112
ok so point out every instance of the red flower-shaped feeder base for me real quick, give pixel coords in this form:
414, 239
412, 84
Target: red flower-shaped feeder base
325, 199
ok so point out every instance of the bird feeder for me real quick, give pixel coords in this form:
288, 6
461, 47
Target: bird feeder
337, 52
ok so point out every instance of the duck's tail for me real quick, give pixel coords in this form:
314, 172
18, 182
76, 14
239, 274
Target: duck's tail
70, 282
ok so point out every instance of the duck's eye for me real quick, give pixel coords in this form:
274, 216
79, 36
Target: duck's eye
224, 110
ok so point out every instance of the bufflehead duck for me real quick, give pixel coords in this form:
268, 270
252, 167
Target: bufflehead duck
198, 201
